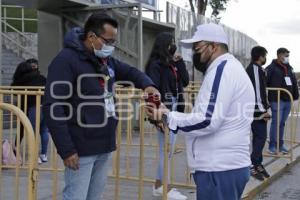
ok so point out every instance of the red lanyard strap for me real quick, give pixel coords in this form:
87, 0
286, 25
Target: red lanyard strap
284, 68
174, 71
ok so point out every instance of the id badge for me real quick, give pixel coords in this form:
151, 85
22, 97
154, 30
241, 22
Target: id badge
288, 81
110, 105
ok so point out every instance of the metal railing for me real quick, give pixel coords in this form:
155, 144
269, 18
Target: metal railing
28, 162
17, 40
132, 149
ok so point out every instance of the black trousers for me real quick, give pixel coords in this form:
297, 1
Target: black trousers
259, 131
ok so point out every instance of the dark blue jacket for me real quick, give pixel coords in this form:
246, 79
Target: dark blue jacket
275, 78
67, 103
166, 82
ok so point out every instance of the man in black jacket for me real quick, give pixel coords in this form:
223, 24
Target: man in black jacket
79, 104
261, 115
280, 75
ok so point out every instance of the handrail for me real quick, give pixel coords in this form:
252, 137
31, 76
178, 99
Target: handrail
20, 46
16, 18
12, 6
19, 32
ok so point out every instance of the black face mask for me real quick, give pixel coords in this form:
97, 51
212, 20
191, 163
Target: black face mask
200, 66
172, 49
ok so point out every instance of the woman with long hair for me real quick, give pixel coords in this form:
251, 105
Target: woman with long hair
28, 74
168, 72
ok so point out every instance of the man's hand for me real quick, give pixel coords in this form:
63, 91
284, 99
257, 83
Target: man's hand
72, 162
154, 113
266, 116
177, 57
151, 90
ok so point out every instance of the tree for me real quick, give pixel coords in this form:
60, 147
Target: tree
216, 5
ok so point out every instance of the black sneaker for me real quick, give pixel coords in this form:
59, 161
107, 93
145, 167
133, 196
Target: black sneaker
256, 174
263, 171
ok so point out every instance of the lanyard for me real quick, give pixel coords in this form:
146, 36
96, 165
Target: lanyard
284, 68
174, 71
102, 81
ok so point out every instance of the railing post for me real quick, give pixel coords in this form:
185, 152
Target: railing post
23, 29
4, 19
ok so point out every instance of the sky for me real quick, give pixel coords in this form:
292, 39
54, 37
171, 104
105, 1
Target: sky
272, 23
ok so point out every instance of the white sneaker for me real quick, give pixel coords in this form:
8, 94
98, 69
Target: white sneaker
43, 158
39, 161
173, 194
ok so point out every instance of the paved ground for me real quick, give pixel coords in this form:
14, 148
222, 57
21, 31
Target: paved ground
287, 187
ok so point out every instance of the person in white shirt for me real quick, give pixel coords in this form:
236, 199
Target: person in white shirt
218, 128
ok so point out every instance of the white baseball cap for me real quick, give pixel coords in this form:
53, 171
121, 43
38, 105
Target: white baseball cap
207, 32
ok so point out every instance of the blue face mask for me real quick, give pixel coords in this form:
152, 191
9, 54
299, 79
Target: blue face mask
106, 51
286, 60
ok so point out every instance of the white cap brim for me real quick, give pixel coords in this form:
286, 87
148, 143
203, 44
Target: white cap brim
188, 43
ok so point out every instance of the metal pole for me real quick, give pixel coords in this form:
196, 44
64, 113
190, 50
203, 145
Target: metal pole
23, 25
140, 39
1, 135
168, 12
278, 121
166, 162
141, 161
0, 42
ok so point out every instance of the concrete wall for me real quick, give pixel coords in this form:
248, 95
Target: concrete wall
50, 37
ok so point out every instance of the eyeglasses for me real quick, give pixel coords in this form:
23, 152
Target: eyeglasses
110, 42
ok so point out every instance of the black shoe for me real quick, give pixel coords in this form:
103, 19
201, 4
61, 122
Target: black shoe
263, 171
256, 174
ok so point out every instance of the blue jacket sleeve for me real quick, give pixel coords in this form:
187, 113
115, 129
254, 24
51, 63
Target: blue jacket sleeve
59, 85
125, 72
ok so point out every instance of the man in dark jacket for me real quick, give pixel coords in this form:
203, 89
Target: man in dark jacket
79, 104
280, 75
261, 116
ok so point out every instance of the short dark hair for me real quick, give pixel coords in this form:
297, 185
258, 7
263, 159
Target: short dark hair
258, 51
32, 61
282, 50
96, 22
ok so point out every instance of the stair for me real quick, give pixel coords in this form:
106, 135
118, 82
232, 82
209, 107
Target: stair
10, 62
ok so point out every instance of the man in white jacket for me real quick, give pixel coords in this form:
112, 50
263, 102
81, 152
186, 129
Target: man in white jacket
218, 129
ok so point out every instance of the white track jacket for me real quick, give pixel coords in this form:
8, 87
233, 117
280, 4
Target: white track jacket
218, 129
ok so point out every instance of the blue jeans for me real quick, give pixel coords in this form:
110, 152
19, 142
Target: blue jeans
160, 168
43, 128
161, 141
225, 185
88, 182
284, 110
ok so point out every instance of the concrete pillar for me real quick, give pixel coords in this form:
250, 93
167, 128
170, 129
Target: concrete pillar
50, 38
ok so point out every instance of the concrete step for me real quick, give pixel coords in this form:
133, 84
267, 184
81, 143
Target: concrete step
276, 167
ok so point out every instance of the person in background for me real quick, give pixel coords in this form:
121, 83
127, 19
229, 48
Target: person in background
33, 62
280, 74
261, 116
28, 74
218, 128
168, 72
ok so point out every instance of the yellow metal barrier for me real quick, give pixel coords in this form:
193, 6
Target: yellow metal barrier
30, 165
129, 142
